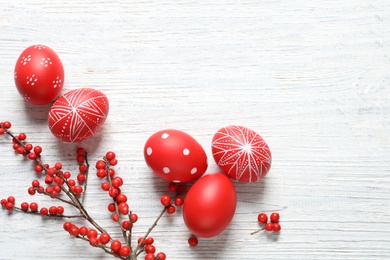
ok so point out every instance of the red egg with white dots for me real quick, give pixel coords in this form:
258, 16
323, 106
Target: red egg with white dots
39, 75
78, 114
175, 156
241, 153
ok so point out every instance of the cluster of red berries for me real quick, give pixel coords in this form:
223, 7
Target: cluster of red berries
273, 224
171, 202
150, 250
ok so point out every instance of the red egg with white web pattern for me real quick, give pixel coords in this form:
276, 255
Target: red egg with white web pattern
175, 156
241, 153
78, 114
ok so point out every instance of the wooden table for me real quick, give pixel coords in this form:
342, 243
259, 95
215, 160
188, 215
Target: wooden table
311, 77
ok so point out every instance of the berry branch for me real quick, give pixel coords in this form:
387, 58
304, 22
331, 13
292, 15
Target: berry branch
60, 182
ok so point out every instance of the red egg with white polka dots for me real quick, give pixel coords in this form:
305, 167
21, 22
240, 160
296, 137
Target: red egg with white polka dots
39, 75
175, 156
78, 114
241, 153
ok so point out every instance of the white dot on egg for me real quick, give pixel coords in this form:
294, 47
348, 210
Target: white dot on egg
164, 136
194, 170
149, 150
186, 151
176, 181
166, 170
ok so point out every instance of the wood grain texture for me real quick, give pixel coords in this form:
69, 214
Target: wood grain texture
311, 77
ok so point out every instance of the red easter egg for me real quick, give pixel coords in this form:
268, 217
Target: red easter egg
210, 205
175, 156
39, 75
78, 114
241, 153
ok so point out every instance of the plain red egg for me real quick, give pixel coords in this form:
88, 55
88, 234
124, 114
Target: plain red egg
39, 75
210, 205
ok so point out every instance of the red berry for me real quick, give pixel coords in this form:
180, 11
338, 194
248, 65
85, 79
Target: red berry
38, 168
80, 151
6, 124
101, 173
33, 206
171, 209
71, 183
49, 179
24, 206
111, 207
116, 183
179, 201
134, 217
9, 206
74, 231
83, 231
11, 199
113, 192
274, 217
83, 168
53, 210
104, 238
37, 150
35, 183
22, 136
67, 226
44, 211
149, 240
123, 208
115, 217
269, 226
126, 225
193, 241
93, 241
121, 198
172, 187
150, 249
60, 210
81, 177
80, 158
161, 256
124, 251
262, 218
32, 156
105, 186
116, 246
149, 256
113, 162
110, 155
100, 164
277, 227
58, 166
92, 233
66, 175
165, 200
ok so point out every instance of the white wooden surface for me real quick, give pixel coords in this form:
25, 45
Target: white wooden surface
312, 77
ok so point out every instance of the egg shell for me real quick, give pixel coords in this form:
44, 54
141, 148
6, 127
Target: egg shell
175, 156
241, 153
39, 74
210, 205
78, 114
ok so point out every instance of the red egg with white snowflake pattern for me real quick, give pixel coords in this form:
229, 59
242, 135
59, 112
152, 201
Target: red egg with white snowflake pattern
241, 153
39, 75
78, 114
175, 156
